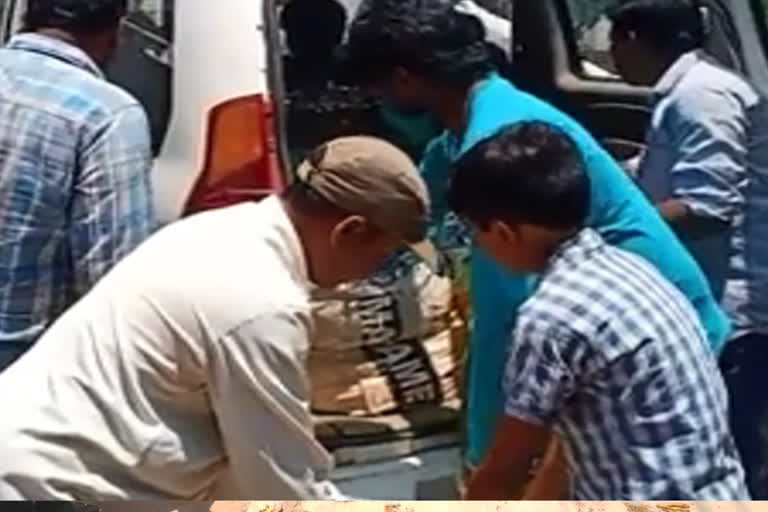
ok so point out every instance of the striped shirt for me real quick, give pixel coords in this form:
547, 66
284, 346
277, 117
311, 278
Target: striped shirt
74, 181
614, 359
708, 147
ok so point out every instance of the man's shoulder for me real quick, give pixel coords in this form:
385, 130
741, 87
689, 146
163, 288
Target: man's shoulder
606, 292
503, 104
60, 89
709, 84
81, 93
219, 270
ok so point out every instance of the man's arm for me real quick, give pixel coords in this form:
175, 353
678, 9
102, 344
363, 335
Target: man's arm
504, 473
538, 381
112, 209
709, 130
260, 396
551, 482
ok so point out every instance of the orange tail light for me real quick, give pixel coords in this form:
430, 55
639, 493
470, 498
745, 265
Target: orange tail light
241, 158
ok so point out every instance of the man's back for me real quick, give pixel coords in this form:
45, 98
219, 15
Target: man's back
612, 356
74, 181
182, 367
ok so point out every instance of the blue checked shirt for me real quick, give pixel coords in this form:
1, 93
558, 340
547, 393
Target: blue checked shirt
708, 147
614, 358
74, 181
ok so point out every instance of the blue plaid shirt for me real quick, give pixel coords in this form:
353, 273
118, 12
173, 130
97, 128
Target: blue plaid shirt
614, 358
74, 181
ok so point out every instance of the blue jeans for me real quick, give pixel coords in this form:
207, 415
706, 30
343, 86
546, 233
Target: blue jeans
745, 368
10, 352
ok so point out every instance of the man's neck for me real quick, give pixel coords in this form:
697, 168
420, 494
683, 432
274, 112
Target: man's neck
550, 242
69, 38
452, 107
664, 65
302, 224
60, 35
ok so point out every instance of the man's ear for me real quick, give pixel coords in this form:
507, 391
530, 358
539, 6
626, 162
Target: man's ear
505, 232
352, 226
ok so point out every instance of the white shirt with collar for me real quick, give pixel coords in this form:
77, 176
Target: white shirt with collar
180, 376
708, 147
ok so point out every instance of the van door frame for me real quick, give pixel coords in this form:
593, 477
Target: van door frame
12, 17
277, 88
753, 36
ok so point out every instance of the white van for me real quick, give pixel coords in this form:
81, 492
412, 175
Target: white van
209, 74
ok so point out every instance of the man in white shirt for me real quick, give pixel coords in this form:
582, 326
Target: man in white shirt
181, 375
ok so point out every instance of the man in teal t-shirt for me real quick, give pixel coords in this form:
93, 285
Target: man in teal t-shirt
423, 53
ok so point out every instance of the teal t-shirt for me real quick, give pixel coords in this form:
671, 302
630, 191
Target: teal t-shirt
619, 211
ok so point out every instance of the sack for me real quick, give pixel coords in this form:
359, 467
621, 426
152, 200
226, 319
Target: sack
387, 344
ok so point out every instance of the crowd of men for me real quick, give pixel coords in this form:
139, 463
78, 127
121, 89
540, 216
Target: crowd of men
620, 326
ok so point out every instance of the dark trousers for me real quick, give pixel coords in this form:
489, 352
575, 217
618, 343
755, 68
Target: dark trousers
10, 352
745, 368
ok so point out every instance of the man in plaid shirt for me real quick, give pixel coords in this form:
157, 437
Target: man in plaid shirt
607, 354
74, 166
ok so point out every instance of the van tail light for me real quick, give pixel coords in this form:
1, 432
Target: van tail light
241, 161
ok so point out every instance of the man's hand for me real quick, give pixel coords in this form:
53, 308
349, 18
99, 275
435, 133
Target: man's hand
505, 472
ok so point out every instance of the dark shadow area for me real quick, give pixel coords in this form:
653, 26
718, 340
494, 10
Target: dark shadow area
340, 431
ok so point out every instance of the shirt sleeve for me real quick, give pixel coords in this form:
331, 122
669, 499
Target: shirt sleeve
260, 396
539, 377
111, 210
709, 129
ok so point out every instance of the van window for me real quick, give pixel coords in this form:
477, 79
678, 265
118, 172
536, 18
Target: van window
143, 63
591, 29
591, 34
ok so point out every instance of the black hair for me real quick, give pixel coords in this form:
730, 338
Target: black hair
426, 37
74, 15
670, 26
313, 25
530, 172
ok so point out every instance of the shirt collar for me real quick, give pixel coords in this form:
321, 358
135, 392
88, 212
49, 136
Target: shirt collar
577, 248
676, 73
55, 48
293, 250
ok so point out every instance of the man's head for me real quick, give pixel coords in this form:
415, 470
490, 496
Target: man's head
313, 27
650, 35
91, 24
355, 202
522, 191
408, 49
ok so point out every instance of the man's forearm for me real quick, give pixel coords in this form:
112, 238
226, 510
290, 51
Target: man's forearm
677, 213
551, 482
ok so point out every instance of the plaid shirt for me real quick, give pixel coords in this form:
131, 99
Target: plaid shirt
613, 357
74, 181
